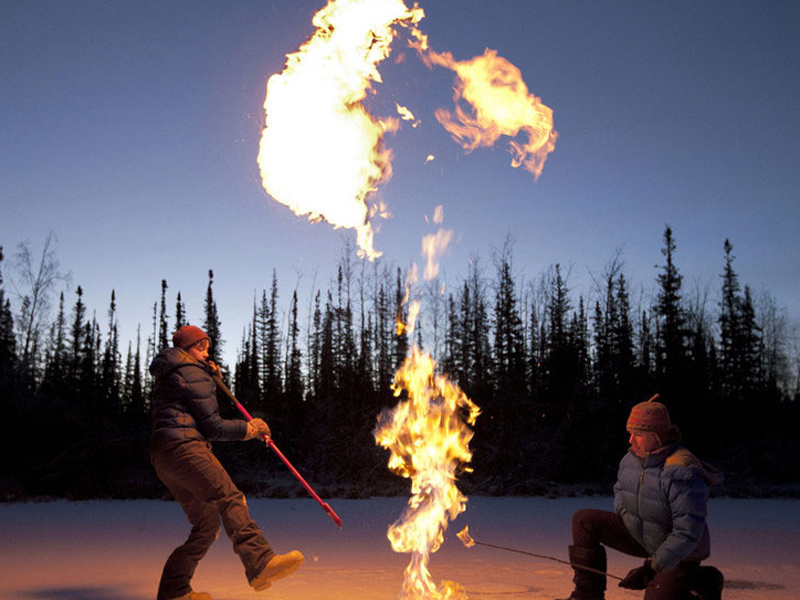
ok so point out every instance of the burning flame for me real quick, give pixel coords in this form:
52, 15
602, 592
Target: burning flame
433, 246
321, 152
465, 537
406, 114
428, 436
498, 104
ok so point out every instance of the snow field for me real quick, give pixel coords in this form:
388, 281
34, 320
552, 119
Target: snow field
114, 550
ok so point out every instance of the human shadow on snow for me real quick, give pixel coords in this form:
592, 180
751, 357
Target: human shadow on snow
80, 593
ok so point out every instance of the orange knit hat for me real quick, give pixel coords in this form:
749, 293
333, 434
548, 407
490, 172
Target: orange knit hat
650, 416
188, 335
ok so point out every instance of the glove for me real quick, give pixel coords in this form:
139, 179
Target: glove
257, 428
217, 372
638, 578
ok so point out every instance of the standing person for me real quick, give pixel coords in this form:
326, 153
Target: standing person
660, 507
185, 418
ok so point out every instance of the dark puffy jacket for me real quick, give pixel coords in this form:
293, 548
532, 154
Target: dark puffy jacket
662, 499
185, 403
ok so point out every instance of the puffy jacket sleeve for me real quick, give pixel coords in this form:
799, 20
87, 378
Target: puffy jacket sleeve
200, 393
688, 498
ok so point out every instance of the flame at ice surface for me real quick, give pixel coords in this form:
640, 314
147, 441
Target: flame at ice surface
321, 152
428, 436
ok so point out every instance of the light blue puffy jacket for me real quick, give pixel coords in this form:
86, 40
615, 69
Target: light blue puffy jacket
662, 499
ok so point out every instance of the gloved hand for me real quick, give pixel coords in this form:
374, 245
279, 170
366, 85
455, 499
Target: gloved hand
217, 372
638, 578
257, 428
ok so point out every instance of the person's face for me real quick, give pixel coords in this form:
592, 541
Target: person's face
199, 351
643, 442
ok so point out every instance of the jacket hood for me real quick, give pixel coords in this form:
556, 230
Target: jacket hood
676, 456
681, 458
170, 359
711, 474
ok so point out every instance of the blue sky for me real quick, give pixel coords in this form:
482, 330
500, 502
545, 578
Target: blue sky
131, 129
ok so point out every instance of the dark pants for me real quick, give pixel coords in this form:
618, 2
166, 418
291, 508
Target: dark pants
206, 493
592, 528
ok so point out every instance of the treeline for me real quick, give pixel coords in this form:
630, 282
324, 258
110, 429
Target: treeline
554, 374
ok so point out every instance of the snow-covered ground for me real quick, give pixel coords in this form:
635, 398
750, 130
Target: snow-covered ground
114, 550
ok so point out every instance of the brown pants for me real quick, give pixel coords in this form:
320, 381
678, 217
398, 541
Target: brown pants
592, 528
207, 495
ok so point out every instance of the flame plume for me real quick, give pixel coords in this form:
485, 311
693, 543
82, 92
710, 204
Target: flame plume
428, 436
321, 153
498, 103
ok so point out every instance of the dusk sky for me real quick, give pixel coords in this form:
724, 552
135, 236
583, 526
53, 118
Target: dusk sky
131, 128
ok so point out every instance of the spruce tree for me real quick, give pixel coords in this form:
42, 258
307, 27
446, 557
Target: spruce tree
384, 334
447, 362
58, 362
212, 326
110, 368
579, 342
478, 334
127, 381
163, 319
508, 408
327, 360
462, 339
671, 342
77, 344
560, 359
271, 344
180, 313
294, 368
246, 372
8, 350
749, 339
728, 325
315, 348
139, 394
534, 357
400, 343
345, 345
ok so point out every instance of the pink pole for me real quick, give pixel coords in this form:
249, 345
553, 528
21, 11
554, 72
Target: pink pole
325, 506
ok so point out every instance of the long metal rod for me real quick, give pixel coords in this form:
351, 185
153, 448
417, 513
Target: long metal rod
469, 541
565, 562
325, 506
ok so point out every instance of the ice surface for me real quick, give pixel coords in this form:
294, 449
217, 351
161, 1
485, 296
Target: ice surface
114, 550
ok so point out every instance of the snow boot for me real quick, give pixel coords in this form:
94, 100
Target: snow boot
588, 584
194, 596
707, 583
278, 567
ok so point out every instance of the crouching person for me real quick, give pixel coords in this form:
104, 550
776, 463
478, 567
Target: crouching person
185, 418
660, 507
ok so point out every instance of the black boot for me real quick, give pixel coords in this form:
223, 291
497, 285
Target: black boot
588, 584
707, 583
